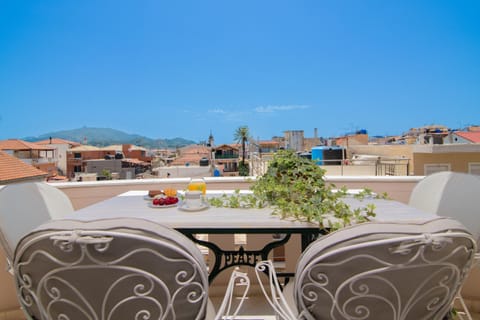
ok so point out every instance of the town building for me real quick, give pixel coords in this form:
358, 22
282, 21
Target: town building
107, 162
77, 156
191, 155
62, 146
14, 170
294, 140
39, 156
431, 134
358, 138
130, 151
106, 169
226, 159
459, 137
428, 159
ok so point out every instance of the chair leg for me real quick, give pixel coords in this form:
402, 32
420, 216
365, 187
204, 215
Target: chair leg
237, 279
465, 312
273, 293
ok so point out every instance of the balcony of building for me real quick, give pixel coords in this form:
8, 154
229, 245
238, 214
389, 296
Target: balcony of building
83, 194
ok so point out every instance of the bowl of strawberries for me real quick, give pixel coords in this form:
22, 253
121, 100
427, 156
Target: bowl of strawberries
164, 201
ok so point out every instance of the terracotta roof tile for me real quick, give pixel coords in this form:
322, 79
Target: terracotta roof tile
119, 147
227, 147
193, 159
135, 161
58, 141
16, 144
473, 136
57, 178
195, 149
85, 148
13, 169
268, 142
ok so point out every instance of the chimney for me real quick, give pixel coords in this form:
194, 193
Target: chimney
315, 133
50, 140
126, 148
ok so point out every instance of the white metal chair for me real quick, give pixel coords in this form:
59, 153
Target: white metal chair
24, 206
376, 271
114, 269
451, 194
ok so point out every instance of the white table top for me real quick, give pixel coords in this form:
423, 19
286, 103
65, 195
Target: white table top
133, 204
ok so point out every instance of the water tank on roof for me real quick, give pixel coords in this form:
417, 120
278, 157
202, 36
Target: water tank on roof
306, 155
204, 162
328, 155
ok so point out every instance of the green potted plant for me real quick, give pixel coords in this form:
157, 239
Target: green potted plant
295, 188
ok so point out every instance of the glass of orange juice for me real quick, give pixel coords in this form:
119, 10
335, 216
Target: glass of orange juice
197, 185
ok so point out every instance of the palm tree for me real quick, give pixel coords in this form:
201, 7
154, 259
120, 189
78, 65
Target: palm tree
241, 136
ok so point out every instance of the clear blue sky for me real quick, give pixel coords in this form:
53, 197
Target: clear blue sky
168, 69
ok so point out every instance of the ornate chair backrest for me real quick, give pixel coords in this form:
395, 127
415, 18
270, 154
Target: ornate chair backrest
24, 206
384, 271
110, 269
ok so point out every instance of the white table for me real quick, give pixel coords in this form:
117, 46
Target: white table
132, 204
231, 221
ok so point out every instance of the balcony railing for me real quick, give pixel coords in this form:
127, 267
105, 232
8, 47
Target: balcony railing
43, 160
398, 188
226, 156
36, 161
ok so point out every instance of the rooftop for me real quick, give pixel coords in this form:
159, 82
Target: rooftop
472, 136
83, 147
13, 169
58, 141
17, 144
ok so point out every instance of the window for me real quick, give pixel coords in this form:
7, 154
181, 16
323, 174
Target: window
474, 168
436, 167
77, 155
77, 169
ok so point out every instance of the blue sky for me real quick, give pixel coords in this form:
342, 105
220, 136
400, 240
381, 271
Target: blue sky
168, 69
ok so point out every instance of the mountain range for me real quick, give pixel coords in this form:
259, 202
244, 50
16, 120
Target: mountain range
106, 136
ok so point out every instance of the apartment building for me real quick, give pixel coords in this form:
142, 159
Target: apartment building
62, 146
41, 157
428, 159
14, 170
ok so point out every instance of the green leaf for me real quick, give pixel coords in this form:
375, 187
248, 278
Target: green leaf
295, 188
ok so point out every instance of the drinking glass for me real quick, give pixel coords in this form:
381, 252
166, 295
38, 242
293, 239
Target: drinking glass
197, 185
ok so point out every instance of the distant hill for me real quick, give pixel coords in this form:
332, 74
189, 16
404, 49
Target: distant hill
105, 136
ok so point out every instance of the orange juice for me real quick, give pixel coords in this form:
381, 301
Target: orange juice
197, 185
